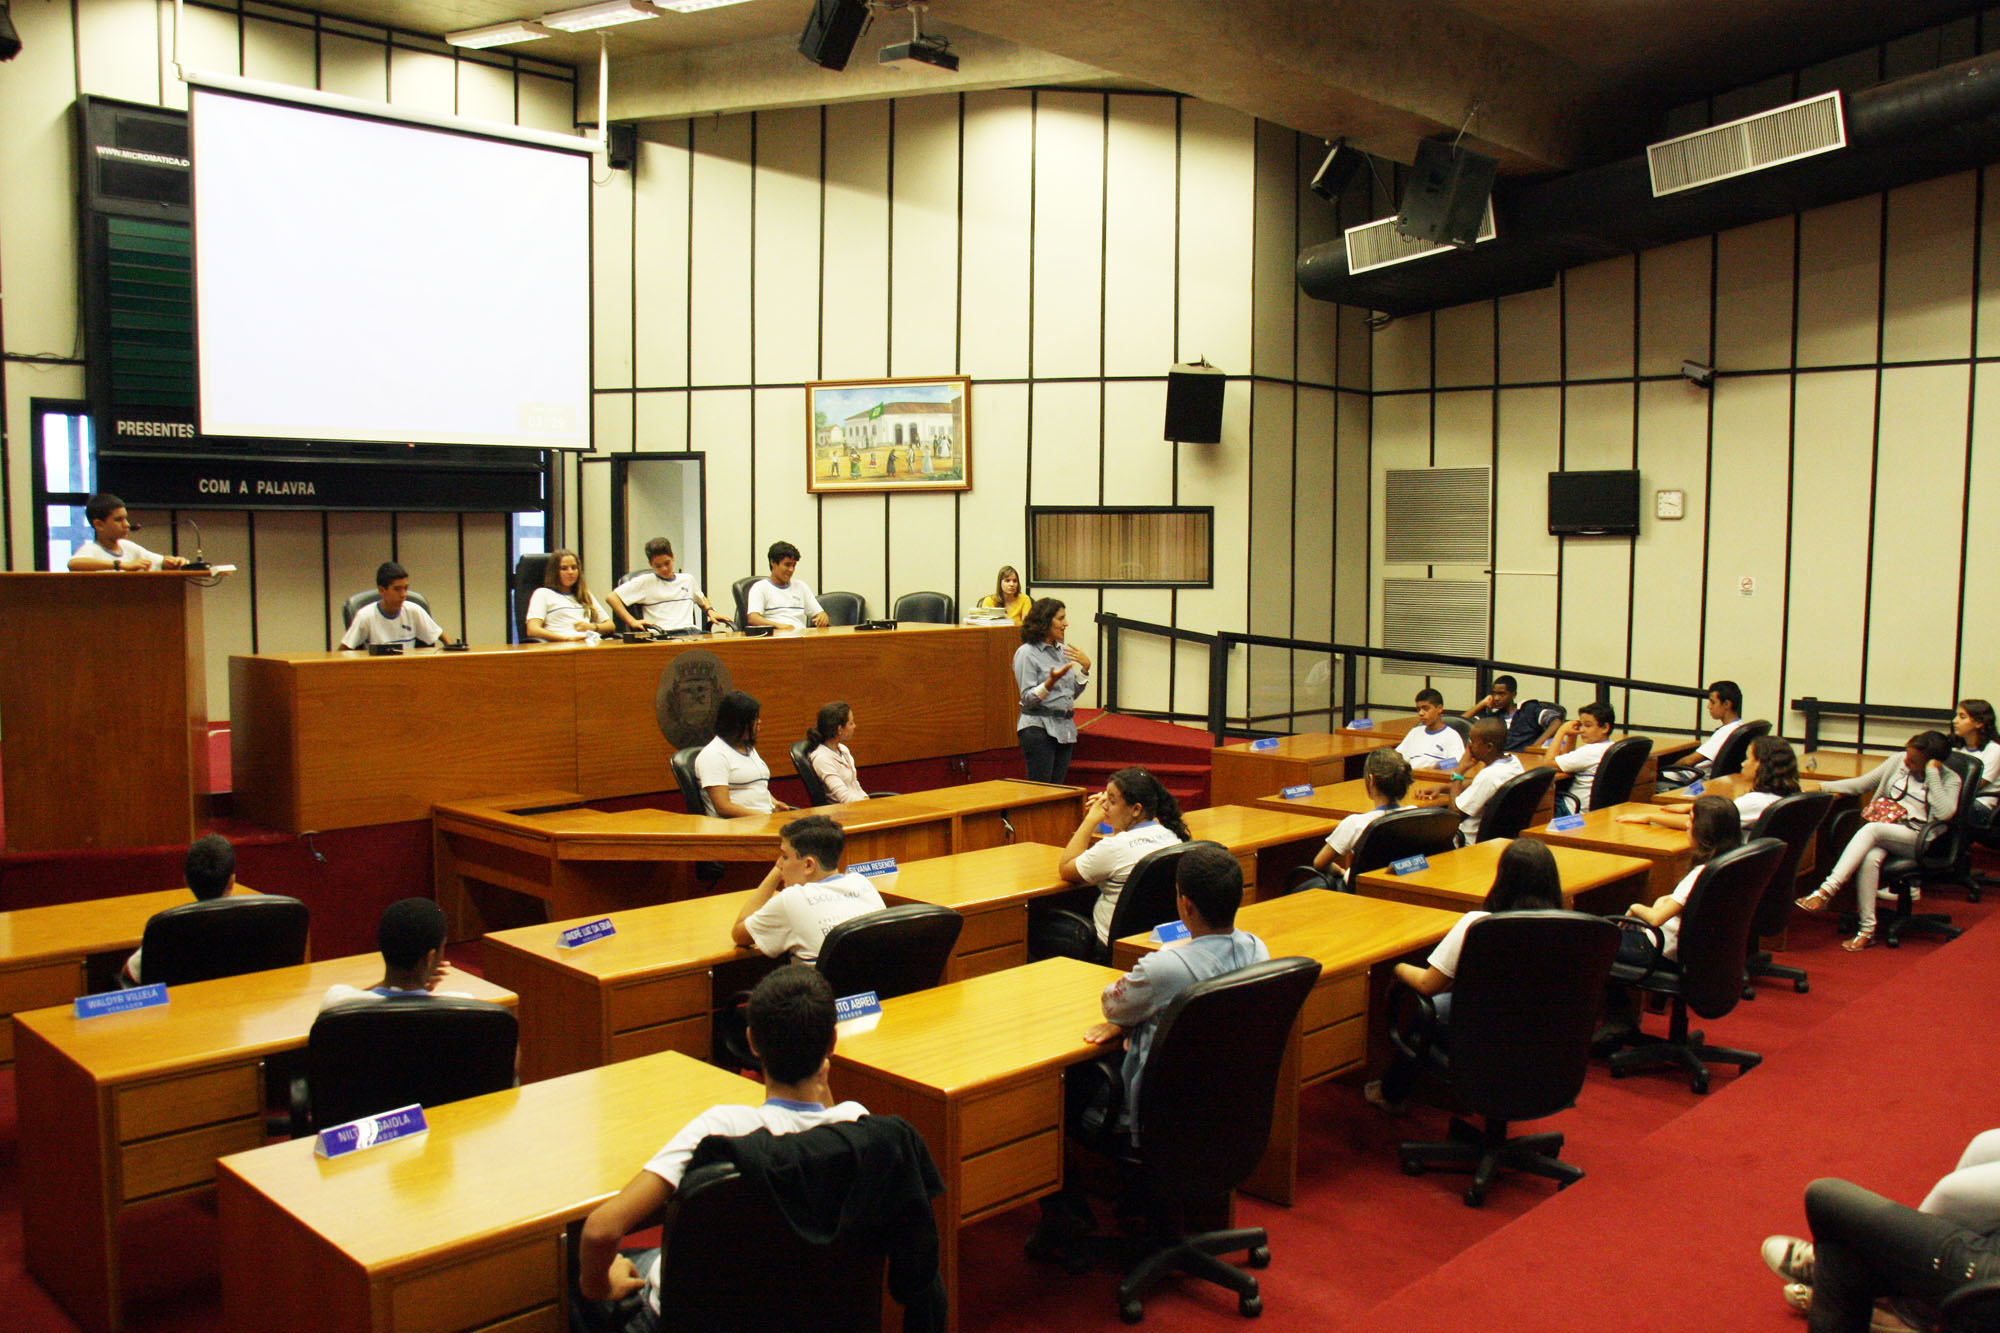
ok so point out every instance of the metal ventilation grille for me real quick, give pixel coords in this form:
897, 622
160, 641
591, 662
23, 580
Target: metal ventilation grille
1437, 515
1379, 244
1816, 125
1433, 616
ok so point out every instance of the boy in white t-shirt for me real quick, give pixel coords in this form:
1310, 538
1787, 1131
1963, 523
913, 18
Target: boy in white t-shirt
791, 1016
666, 600
1576, 751
1385, 776
784, 598
410, 935
394, 618
1486, 765
1431, 744
108, 548
805, 895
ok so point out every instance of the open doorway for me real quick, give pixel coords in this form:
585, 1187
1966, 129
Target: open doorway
660, 495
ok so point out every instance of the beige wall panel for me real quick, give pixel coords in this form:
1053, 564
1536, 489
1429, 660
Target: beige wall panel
1920, 470
1753, 295
350, 66
24, 381
484, 92
37, 210
1464, 429
1524, 554
1597, 319
225, 608
660, 264
786, 271
1218, 169
427, 546
1142, 658
659, 423
1673, 307
291, 594
1743, 633
422, 81
1356, 349
999, 156
1139, 211
1465, 344
1275, 222
719, 285
1314, 507
1531, 337
1927, 275
855, 290
1064, 439
611, 282
1138, 463
1400, 438
591, 538
1596, 584
1318, 222
1830, 469
1840, 256
1667, 584
1597, 427
1402, 354
209, 41
611, 422
1987, 328
1351, 543
1980, 646
923, 323
487, 569
719, 427
117, 48
783, 505
1219, 475
355, 545
547, 104
854, 557
991, 528
1269, 574
920, 550
1069, 223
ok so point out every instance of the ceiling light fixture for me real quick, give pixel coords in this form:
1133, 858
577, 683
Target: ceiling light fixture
605, 14
498, 34
694, 6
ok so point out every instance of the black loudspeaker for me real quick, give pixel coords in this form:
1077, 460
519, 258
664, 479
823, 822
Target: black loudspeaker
1336, 170
1445, 199
621, 146
832, 29
1194, 404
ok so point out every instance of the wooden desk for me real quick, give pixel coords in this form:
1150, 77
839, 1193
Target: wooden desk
991, 888
1834, 765
131, 1107
564, 717
1335, 801
1266, 843
1458, 881
1347, 935
462, 1228
977, 1067
1666, 848
1392, 728
1238, 775
579, 861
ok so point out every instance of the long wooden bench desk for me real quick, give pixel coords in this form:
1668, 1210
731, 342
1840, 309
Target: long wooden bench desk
1347, 936
1665, 848
1239, 774
991, 888
1335, 801
1458, 881
579, 861
126, 1108
1266, 843
462, 1228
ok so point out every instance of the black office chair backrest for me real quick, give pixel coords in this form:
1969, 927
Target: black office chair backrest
891, 952
1421, 830
1459, 725
365, 1057
1953, 843
1618, 769
816, 792
224, 937
691, 792
844, 608
741, 589
1512, 808
1792, 820
1147, 900
1729, 759
1527, 993
931, 608
529, 571
353, 606
1715, 924
1204, 1113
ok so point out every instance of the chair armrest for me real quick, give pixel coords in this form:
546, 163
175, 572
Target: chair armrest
878, 795
1412, 1037
1658, 940
1305, 877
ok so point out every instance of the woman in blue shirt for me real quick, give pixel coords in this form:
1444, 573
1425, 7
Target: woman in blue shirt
1049, 674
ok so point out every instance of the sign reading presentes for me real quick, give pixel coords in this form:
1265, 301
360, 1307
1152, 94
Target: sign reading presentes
371, 1131
585, 933
118, 1001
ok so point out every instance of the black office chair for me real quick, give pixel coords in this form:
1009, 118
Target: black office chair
816, 792
1513, 807
1528, 991
1426, 830
1708, 976
1945, 859
929, 608
741, 590
365, 1057
1146, 901
1795, 822
354, 605
1459, 725
1618, 770
529, 571
1729, 759
844, 608
224, 937
696, 800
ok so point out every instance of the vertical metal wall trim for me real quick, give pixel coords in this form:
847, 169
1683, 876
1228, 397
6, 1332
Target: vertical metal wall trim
326, 577
1174, 595
819, 343
1562, 455
1493, 462
958, 353
1632, 548
1875, 440
250, 558
632, 300
888, 323
464, 613
1292, 484
750, 299
1971, 416
395, 536
1708, 459
1103, 290
1028, 462
1791, 473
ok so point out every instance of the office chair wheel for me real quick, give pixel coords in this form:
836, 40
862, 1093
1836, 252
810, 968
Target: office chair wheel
1474, 1196
1801, 986
1619, 1071
1250, 1306
1259, 1257
1412, 1167
1701, 1083
1131, 1312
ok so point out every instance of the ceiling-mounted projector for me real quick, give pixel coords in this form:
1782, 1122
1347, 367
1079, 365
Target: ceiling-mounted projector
920, 50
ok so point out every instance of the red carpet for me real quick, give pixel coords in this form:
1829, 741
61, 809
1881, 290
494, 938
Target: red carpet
1177, 755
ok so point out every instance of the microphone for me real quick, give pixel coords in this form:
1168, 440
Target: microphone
197, 562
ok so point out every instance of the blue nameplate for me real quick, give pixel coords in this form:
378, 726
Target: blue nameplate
1103, 829
585, 933
1447, 766
118, 1001
371, 1130
1694, 789
873, 869
1410, 865
1567, 823
1362, 724
1268, 743
857, 1013
1170, 931
1298, 793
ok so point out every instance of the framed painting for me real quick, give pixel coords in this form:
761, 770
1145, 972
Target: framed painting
889, 435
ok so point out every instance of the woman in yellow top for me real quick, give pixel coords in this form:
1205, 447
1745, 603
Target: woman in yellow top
1008, 596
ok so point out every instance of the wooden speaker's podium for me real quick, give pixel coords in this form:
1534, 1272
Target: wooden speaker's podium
103, 709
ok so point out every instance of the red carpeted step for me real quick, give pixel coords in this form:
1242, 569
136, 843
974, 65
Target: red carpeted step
1177, 755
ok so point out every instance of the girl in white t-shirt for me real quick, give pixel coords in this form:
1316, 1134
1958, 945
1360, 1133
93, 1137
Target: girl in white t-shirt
1385, 776
826, 750
1972, 729
1770, 773
1143, 817
562, 609
733, 776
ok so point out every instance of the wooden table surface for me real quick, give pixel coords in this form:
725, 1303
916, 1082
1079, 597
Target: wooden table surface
1666, 848
991, 888
1239, 773
1267, 843
1394, 727
1833, 765
1335, 801
1460, 880
425, 1233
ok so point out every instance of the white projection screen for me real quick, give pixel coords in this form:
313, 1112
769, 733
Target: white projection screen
363, 279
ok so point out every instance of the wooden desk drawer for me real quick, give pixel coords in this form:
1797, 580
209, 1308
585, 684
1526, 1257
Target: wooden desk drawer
1004, 1117
501, 1285
184, 1161
58, 982
1333, 999
664, 1001
150, 1109
1329, 1050
1005, 1175
690, 1036
542, 1319
990, 930
990, 960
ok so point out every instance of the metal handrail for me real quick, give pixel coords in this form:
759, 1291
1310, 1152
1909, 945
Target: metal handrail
1814, 708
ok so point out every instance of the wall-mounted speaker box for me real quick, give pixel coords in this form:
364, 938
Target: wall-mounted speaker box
135, 158
1194, 404
1445, 198
622, 146
832, 29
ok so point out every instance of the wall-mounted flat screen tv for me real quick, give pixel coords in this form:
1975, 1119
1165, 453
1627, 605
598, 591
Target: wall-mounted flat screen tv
1594, 504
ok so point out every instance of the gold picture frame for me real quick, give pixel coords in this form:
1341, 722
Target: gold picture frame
889, 435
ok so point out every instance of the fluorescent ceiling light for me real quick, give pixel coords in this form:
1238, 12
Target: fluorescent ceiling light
691, 6
498, 34
606, 14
